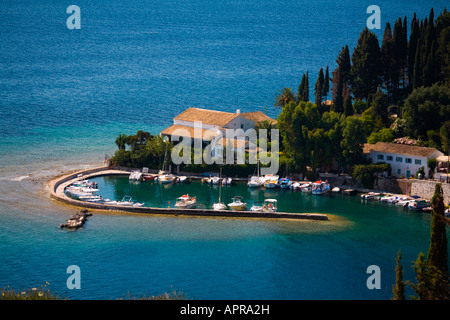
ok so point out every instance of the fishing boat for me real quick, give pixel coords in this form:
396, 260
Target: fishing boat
256, 180
257, 206
285, 183
237, 204
320, 187
186, 202
270, 205
271, 181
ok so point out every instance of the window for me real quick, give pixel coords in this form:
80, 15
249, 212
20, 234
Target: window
408, 160
399, 171
418, 161
380, 157
389, 158
399, 159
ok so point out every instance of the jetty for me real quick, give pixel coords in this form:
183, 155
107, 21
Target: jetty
77, 220
58, 185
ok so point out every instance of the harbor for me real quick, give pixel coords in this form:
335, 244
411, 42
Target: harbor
59, 186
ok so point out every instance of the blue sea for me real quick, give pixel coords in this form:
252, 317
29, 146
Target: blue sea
66, 94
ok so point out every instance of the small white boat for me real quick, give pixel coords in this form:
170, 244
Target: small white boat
135, 176
306, 187
271, 181
320, 187
257, 206
181, 179
295, 186
370, 195
85, 183
166, 178
417, 204
335, 189
237, 204
270, 205
227, 181
186, 202
126, 201
219, 206
255, 182
215, 180
447, 213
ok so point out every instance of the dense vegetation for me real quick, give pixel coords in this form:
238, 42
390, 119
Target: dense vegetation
432, 278
396, 92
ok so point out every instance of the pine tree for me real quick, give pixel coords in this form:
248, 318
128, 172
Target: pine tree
399, 289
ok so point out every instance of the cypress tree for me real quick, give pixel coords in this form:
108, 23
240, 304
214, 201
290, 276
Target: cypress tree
318, 90
326, 83
306, 88
301, 88
399, 289
417, 76
437, 253
429, 71
412, 47
387, 59
348, 107
365, 71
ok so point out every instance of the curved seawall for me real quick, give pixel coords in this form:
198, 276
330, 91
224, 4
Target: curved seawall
58, 185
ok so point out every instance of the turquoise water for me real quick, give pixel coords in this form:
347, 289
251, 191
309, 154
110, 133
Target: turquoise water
66, 94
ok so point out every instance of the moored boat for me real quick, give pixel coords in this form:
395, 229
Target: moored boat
270, 205
237, 204
186, 202
285, 183
271, 181
257, 206
320, 187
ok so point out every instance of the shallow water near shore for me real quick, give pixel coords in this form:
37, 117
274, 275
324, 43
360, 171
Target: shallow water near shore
67, 94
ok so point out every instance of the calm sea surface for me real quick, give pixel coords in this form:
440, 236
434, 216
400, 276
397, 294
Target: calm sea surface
66, 94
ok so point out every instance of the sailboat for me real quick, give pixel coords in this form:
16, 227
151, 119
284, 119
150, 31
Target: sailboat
219, 205
163, 176
256, 181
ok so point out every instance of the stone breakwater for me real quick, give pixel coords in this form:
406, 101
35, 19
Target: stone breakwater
58, 185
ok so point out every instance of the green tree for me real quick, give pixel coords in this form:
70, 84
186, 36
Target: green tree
352, 142
437, 253
318, 90
427, 109
412, 46
326, 84
399, 289
365, 74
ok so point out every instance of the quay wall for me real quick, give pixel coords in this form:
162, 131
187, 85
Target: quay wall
58, 185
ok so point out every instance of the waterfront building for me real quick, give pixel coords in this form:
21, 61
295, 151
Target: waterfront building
206, 125
405, 160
